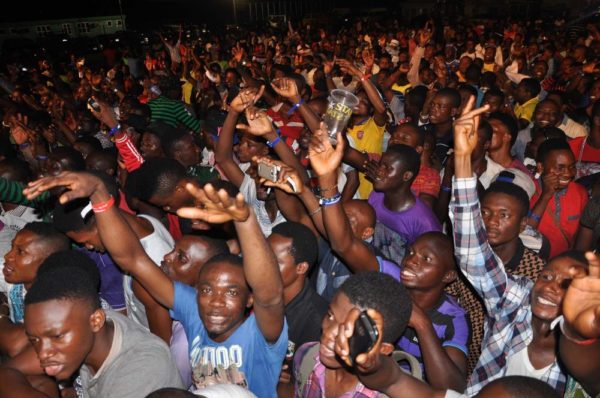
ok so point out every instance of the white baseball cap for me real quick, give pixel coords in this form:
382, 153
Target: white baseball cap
517, 177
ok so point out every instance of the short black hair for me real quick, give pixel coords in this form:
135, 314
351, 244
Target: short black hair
549, 132
532, 86
168, 142
73, 158
575, 255
511, 190
495, 92
66, 275
522, 386
384, 294
170, 392
106, 155
511, 124
156, 176
555, 144
53, 239
70, 217
473, 73
486, 128
91, 140
417, 96
467, 87
452, 94
303, 241
410, 158
18, 168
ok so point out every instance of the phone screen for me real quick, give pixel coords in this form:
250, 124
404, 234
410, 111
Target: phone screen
364, 337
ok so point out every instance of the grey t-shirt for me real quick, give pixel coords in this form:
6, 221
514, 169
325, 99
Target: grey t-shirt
138, 363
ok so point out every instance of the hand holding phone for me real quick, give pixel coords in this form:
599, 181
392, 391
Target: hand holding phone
94, 105
364, 337
269, 171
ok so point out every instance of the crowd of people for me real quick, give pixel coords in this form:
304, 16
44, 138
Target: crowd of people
442, 245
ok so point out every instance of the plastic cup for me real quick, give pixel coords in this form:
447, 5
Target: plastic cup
339, 110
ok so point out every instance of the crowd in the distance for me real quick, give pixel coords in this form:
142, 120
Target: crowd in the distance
176, 219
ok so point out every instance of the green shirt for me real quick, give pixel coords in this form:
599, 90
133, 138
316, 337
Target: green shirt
173, 113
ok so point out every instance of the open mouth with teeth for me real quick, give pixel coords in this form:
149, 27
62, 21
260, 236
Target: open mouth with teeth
547, 302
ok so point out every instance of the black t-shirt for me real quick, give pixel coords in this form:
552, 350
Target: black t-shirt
304, 315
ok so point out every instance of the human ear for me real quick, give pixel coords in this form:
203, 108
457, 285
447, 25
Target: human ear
97, 320
449, 276
386, 348
250, 301
367, 233
407, 175
302, 268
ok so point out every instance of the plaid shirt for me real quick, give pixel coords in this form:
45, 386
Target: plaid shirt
506, 298
315, 384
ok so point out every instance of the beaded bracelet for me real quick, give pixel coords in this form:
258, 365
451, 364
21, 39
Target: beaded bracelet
271, 144
112, 131
330, 201
296, 106
103, 206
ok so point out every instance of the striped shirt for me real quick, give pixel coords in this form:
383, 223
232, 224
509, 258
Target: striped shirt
12, 192
172, 112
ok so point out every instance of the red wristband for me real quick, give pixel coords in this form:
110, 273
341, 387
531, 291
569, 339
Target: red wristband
103, 206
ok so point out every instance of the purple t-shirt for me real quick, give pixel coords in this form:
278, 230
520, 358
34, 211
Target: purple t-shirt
411, 223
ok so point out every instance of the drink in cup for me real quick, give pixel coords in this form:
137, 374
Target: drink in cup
339, 110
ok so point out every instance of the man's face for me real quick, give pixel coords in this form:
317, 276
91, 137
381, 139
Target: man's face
562, 164
464, 64
249, 148
500, 134
549, 290
521, 93
389, 173
339, 308
546, 114
502, 216
223, 298
231, 80
54, 166
26, 255
540, 69
282, 247
62, 334
441, 109
183, 263
494, 102
489, 55
187, 152
423, 267
405, 134
150, 146
174, 201
89, 238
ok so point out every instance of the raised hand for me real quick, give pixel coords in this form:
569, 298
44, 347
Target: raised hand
348, 67
106, 114
238, 53
465, 128
424, 37
287, 88
19, 130
285, 175
246, 97
259, 123
581, 305
215, 207
78, 185
367, 362
324, 159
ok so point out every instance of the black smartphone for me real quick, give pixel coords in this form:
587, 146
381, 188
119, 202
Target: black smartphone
94, 105
364, 337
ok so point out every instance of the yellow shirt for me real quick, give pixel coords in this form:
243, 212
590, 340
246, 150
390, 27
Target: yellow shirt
367, 137
526, 110
401, 89
186, 88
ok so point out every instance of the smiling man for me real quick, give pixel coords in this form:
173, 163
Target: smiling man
558, 202
70, 332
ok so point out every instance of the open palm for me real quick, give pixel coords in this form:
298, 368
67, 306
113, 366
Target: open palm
215, 207
581, 305
325, 159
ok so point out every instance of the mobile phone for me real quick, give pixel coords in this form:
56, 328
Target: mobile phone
269, 172
92, 103
364, 337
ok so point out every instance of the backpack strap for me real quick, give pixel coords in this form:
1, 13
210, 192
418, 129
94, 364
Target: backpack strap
306, 367
415, 366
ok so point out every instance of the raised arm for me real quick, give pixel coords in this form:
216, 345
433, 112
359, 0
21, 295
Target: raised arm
224, 149
116, 234
380, 116
287, 88
476, 259
325, 161
260, 125
579, 346
260, 265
